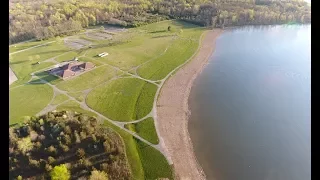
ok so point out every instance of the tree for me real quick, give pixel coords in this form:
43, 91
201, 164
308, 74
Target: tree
98, 175
81, 153
60, 172
25, 145
169, 28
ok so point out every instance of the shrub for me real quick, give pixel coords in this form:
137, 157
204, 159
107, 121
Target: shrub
98, 175
25, 145
60, 172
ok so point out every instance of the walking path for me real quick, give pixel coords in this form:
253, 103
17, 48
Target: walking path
32, 47
176, 124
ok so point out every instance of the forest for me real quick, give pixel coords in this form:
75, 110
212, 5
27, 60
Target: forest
66, 145
42, 19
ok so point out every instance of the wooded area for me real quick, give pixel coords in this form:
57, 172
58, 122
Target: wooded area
66, 145
43, 19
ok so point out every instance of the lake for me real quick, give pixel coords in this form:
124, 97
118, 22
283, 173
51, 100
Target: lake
251, 105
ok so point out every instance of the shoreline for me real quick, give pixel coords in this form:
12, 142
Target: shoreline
173, 111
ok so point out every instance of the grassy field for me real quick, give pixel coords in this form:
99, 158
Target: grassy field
22, 46
152, 48
123, 99
180, 51
153, 162
67, 56
74, 106
60, 98
28, 100
145, 129
24, 63
78, 95
88, 80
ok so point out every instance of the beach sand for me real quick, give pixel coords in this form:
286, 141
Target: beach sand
173, 112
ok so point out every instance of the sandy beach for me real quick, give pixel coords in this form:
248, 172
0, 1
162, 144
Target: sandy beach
173, 112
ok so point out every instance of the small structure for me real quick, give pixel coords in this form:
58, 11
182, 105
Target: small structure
70, 69
103, 54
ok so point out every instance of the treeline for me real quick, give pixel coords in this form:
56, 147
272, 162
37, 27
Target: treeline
44, 19
66, 145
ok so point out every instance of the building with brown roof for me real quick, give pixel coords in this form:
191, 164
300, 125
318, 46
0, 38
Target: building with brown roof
71, 69
87, 65
67, 73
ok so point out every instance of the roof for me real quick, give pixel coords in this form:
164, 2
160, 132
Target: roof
67, 73
87, 65
70, 65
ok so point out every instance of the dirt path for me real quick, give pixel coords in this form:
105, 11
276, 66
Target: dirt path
172, 112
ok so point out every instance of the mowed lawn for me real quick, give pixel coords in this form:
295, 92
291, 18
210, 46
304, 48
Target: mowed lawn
131, 151
22, 46
145, 129
123, 99
24, 63
78, 95
154, 164
74, 106
179, 52
28, 100
139, 49
88, 79
60, 98
67, 56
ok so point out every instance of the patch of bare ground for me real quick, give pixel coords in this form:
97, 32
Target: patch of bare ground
76, 43
173, 113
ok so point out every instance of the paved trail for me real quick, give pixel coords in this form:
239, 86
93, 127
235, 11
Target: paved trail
171, 128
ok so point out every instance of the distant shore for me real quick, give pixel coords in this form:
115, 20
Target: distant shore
173, 112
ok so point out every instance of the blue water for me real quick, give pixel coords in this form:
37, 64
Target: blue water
251, 105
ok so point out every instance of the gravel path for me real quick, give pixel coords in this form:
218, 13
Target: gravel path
172, 112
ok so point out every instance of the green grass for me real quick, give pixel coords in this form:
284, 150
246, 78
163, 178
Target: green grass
145, 129
88, 80
74, 106
88, 59
40, 53
179, 52
78, 95
47, 77
139, 49
28, 100
22, 63
60, 98
67, 57
23, 71
131, 152
22, 46
123, 99
154, 164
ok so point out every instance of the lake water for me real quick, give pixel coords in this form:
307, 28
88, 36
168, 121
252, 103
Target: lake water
251, 105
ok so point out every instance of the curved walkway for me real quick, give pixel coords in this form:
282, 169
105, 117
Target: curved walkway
162, 128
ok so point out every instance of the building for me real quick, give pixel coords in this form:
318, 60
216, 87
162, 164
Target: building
71, 69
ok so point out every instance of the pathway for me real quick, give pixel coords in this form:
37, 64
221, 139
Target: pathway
161, 145
32, 47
